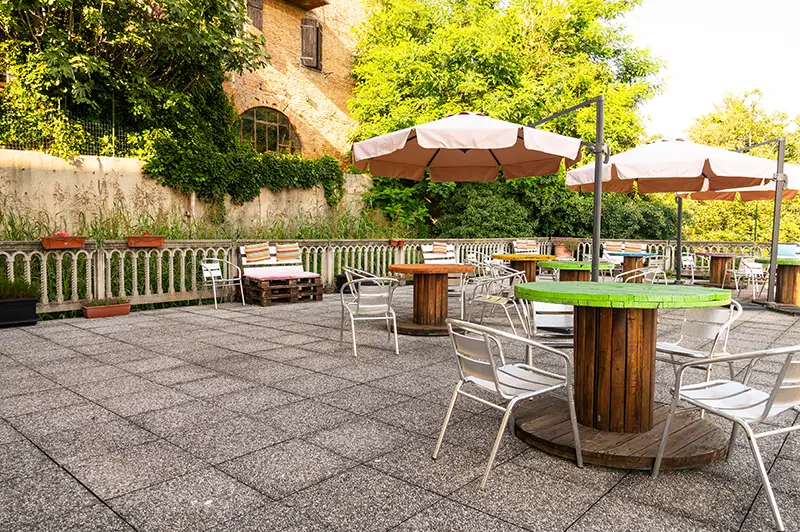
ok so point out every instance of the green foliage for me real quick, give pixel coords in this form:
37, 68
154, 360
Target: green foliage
420, 60
17, 289
104, 302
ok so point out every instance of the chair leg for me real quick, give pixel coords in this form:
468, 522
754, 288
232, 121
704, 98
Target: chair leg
241, 290
776, 514
663, 446
732, 442
497, 441
575, 430
214, 289
396, 344
446, 420
341, 328
513, 329
353, 328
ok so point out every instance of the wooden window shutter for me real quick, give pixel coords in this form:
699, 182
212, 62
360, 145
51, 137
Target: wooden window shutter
311, 44
254, 12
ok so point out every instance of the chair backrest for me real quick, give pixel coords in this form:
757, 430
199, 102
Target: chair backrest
212, 269
354, 273
712, 323
371, 295
429, 256
474, 354
659, 261
612, 246
786, 392
293, 265
688, 260
787, 250
635, 247
749, 265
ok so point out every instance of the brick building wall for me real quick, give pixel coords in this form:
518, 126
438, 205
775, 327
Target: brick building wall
314, 101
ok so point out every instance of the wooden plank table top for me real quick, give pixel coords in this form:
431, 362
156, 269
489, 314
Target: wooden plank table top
429, 269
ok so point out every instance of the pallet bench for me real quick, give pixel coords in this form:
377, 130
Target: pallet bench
269, 290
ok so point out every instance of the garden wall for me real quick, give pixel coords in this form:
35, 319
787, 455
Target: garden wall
37, 185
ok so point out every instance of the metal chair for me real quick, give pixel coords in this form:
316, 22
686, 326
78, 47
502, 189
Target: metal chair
481, 363
742, 404
354, 273
551, 324
370, 299
701, 324
749, 271
214, 277
497, 292
688, 261
655, 270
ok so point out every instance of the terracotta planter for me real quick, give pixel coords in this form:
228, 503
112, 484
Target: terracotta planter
145, 241
396, 243
17, 312
63, 242
106, 311
561, 251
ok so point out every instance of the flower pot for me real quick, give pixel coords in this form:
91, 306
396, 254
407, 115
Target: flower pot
562, 251
146, 241
63, 242
106, 311
395, 243
18, 312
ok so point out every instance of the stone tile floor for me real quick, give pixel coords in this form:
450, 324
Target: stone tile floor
251, 419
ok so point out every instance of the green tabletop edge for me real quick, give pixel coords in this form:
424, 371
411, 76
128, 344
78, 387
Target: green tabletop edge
782, 261
574, 265
623, 295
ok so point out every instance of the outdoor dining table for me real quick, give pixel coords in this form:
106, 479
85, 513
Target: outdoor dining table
718, 267
574, 270
430, 297
632, 260
524, 262
787, 284
614, 378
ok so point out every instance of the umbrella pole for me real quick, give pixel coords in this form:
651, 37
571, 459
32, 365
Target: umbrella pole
776, 222
678, 258
598, 187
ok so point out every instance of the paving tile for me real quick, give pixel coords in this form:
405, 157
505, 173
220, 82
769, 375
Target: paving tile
93, 439
192, 502
760, 516
418, 416
362, 372
140, 402
362, 440
113, 387
182, 417
89, 374
37, 402
255, 399
411, 384
22, 459
25, 385
180, 374
362, 499
42, 497
320, 362
227, 439
150, 364
313, 384
214, 386
282, 353
479, 432
8, 433
450, 515
361, 399
291, 339
273, 516
285, 468
133, 468
93, 518
304, 417
58, 419
562, 469
101, 348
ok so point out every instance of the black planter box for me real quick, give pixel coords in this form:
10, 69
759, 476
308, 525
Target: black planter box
17, 312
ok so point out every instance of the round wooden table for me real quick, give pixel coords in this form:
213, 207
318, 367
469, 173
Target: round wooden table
632, 260
524, 262
430, 297
718, 267
574, 270
614, 378
787, 286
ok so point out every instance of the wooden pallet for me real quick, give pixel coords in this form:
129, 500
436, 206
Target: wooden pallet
267, 292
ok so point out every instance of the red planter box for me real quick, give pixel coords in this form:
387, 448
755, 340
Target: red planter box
396, 243
63, 242
106, 311
145, 241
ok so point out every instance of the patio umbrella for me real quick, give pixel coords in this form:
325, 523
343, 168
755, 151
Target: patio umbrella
466, 147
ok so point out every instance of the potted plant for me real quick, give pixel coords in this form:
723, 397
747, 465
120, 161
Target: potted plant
145, 240
63, 240
18, 303
565, 247
397, 242
104, 308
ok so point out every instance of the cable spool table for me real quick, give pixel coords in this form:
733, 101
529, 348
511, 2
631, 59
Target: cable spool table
430, 297
787, 286
718, 267
524, 262
632, 260
614, 379
574, 270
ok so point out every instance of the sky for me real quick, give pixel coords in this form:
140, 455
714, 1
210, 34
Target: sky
713, 47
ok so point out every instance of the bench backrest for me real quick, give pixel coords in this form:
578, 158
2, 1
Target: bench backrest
292, 265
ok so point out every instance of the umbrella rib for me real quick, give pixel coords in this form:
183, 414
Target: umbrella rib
491, 152
434, 157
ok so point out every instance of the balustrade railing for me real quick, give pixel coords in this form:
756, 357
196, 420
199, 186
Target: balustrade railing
172, 273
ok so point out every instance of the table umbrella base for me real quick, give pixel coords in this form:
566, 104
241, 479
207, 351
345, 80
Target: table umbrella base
408, 327
544, 423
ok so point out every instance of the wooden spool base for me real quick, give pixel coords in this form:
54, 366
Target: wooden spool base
527, 266
574, 275
408, 327
791, 310
544, 423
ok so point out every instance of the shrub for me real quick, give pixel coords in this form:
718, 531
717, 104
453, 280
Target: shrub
105, 302
17, 289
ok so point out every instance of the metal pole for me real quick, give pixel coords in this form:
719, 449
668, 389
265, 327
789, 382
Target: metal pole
598, 187
679, 242
776, 222
755, 227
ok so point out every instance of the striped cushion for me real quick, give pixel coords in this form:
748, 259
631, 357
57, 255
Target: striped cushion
287, 251
613, 246
524, 245
439, 247
257, 252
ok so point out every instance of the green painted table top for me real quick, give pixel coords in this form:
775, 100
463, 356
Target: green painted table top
623, 295
782, 261
574, 265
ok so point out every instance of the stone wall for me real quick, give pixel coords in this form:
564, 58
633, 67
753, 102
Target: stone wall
46, 187
314, 101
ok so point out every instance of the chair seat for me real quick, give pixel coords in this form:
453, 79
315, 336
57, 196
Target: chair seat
675, 349
492, 299
731, 398
516, 380
367, 310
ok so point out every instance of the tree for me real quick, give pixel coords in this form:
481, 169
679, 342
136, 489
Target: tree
420, 60
739, 121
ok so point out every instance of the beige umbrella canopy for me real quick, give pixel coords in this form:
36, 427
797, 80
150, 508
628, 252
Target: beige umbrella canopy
675, 166
466, 147
765, 192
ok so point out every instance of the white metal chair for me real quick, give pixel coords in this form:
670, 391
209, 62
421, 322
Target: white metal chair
497, 292
749, 272
689, 262
354, 273
214, 277
654, 272
369, 299
551, 324
742, 404
481, 363
699, 325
